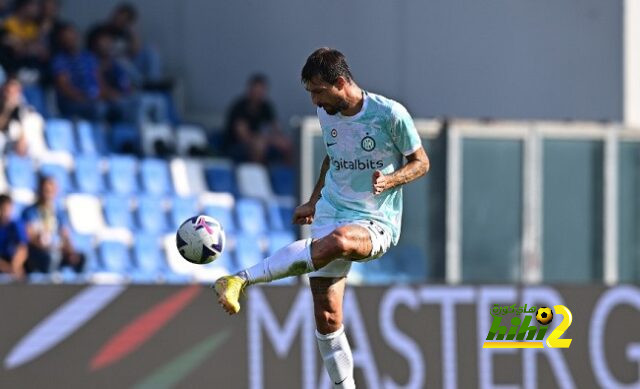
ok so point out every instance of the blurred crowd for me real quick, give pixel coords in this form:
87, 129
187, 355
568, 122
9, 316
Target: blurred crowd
39, 240
111, 75
107, 76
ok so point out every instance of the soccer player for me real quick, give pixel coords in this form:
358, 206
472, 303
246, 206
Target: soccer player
355, 209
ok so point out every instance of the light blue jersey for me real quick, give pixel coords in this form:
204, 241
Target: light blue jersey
377, 138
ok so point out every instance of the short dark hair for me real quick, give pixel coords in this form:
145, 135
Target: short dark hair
328, 64
5, 198
129, 9
258, 78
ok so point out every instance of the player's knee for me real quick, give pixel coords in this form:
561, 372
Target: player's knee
327, 321
340, 242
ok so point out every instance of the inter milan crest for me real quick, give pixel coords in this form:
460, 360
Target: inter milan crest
368, 143
334, 133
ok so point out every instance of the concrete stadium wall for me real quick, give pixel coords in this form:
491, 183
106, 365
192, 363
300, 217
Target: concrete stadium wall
463, 58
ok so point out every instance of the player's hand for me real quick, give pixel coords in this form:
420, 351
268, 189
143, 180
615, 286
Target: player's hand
379, 182
303, 214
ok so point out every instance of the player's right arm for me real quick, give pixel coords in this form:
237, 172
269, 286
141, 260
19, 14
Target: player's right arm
304, 213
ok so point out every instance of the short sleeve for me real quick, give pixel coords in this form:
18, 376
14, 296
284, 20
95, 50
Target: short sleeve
403, 131
29, 215
21, 233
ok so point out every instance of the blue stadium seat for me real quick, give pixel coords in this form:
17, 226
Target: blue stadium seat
251, 216
125, 139
151, 215
283, 180
149, 259
277, 219
221, 178
84, 244
223, 215
248, 251
154, 174
115, 257
183, 208
85, 134
59, 135
20, 172
35, 96
59, 174
117, 211
122, 174
279, 239
88, 174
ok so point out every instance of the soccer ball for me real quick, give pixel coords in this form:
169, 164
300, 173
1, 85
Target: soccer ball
544, 315
200, 239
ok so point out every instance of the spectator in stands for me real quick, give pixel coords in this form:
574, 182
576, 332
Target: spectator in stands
253, 132
48, 234
50, 23
141, 61
13, 241
14, 119
22, 50
81, 90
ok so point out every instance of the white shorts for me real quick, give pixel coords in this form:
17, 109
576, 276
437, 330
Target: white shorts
380, 242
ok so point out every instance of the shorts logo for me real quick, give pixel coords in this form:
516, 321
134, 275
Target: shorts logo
368, 143
334, 133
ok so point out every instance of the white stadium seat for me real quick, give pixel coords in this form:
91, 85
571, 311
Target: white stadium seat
85, 213
188, 136
253, 181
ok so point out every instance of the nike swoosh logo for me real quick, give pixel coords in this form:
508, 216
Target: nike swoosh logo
338, 383
331, 144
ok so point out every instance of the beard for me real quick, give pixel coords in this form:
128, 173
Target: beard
333, 109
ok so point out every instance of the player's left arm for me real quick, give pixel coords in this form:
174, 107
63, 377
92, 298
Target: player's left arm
417, 166
405, 136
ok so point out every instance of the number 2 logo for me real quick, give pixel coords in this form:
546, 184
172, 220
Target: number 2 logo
567, 318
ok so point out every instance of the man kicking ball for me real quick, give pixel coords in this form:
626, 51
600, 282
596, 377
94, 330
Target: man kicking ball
355, 210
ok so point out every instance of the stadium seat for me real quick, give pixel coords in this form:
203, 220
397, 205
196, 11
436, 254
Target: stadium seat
85, 134
221, 177
59, 135
20, 172
122, 174
35, 96
279, 239
251, 216
154, 174
157, 139
59, 174
188, 177
125, 139
283, 180
88, 174
149, 259
118, 211
253, 181
183, 208
115, 257
220, 206
85, 213
190, 137
151, 214
247, 250
222, 214
152, 109
85, 244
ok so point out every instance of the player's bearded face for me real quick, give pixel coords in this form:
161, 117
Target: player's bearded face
333, 108
327, 96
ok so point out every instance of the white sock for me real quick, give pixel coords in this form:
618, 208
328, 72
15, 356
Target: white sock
291, 260
338, 360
